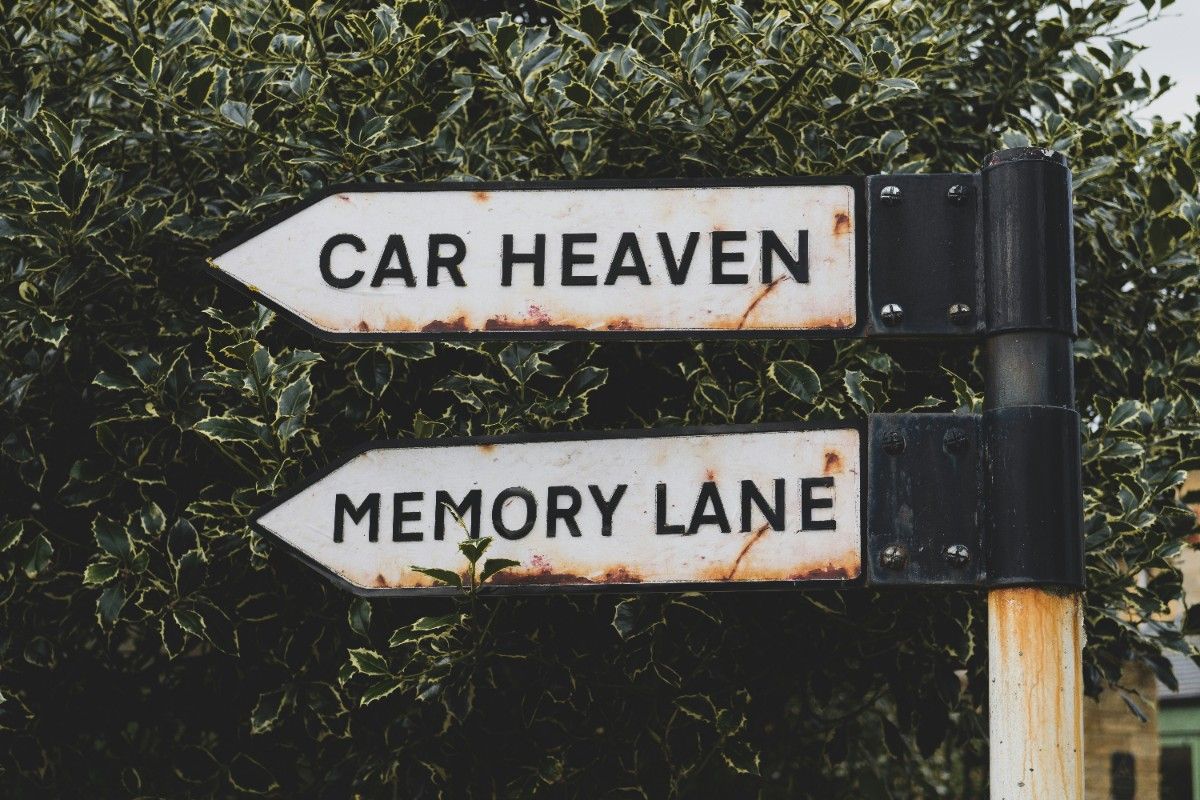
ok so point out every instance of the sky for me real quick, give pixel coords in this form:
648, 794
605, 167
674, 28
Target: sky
1173, 40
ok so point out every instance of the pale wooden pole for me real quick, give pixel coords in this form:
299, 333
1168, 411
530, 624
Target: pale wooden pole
1035, 690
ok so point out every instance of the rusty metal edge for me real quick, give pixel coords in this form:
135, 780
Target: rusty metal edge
572, 436
855, 182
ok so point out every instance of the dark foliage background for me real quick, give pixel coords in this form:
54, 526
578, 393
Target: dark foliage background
152, 646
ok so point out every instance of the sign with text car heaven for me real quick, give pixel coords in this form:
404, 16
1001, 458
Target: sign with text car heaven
734, 506
626, 260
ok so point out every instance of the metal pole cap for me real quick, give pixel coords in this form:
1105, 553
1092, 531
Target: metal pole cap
1024, 154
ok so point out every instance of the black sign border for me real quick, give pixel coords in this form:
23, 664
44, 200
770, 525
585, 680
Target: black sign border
830, 584
857, 184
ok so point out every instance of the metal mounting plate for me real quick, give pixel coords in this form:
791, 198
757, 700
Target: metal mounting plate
924, 500
923, 256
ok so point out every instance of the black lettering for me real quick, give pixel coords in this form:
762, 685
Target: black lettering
327, 254
471, 503
808, 503
709, 496
570, 259
678, 270
720, 258
567, 515
394, 249
449, 263
660, 505
773, 514
342, 508
627, 246
537, 258
607, 507
400, 516
530, 511
798, 266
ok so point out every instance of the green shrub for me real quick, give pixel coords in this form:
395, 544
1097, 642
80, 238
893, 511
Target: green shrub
151, 645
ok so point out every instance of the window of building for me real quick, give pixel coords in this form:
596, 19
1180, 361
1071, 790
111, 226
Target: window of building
1122, 771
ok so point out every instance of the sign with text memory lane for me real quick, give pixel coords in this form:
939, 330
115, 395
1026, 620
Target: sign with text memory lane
558, 259
734, 506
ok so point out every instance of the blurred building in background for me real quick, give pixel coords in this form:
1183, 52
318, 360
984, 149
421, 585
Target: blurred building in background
1143, 743
1179, 710
1121, 758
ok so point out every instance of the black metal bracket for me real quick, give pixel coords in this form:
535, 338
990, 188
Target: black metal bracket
924, 274
925, 480
992, 499
976, 254
986, 499
1034, 486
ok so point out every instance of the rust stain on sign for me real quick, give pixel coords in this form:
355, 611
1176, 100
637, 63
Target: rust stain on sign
829, 571
444, 261
741, 505
559, 576
841, 223
758, 298
539, 324
758, 534
440, 326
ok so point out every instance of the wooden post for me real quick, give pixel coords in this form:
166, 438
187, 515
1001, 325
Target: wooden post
1035, 694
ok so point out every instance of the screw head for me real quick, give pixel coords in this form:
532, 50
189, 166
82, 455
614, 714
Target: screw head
956, 440
891, 314
890, 195
893, 443
957, 555
956, 194
894, 556
960, 313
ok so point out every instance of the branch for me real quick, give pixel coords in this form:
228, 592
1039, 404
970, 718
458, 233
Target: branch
791, 82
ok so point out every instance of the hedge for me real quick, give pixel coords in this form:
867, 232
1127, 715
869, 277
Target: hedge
151, 645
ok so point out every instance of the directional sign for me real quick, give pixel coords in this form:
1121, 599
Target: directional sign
992, 499
378, 262
726, 506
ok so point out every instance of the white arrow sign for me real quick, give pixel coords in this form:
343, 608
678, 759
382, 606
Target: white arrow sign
443, 260
720, 506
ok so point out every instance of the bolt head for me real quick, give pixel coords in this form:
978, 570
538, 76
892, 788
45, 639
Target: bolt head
893, 443
956, 194
890, 195
956, 440
957, 555
960, 313
894, 556
891, 314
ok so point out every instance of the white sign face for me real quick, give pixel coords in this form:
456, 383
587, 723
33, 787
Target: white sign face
740, 506
455, 259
